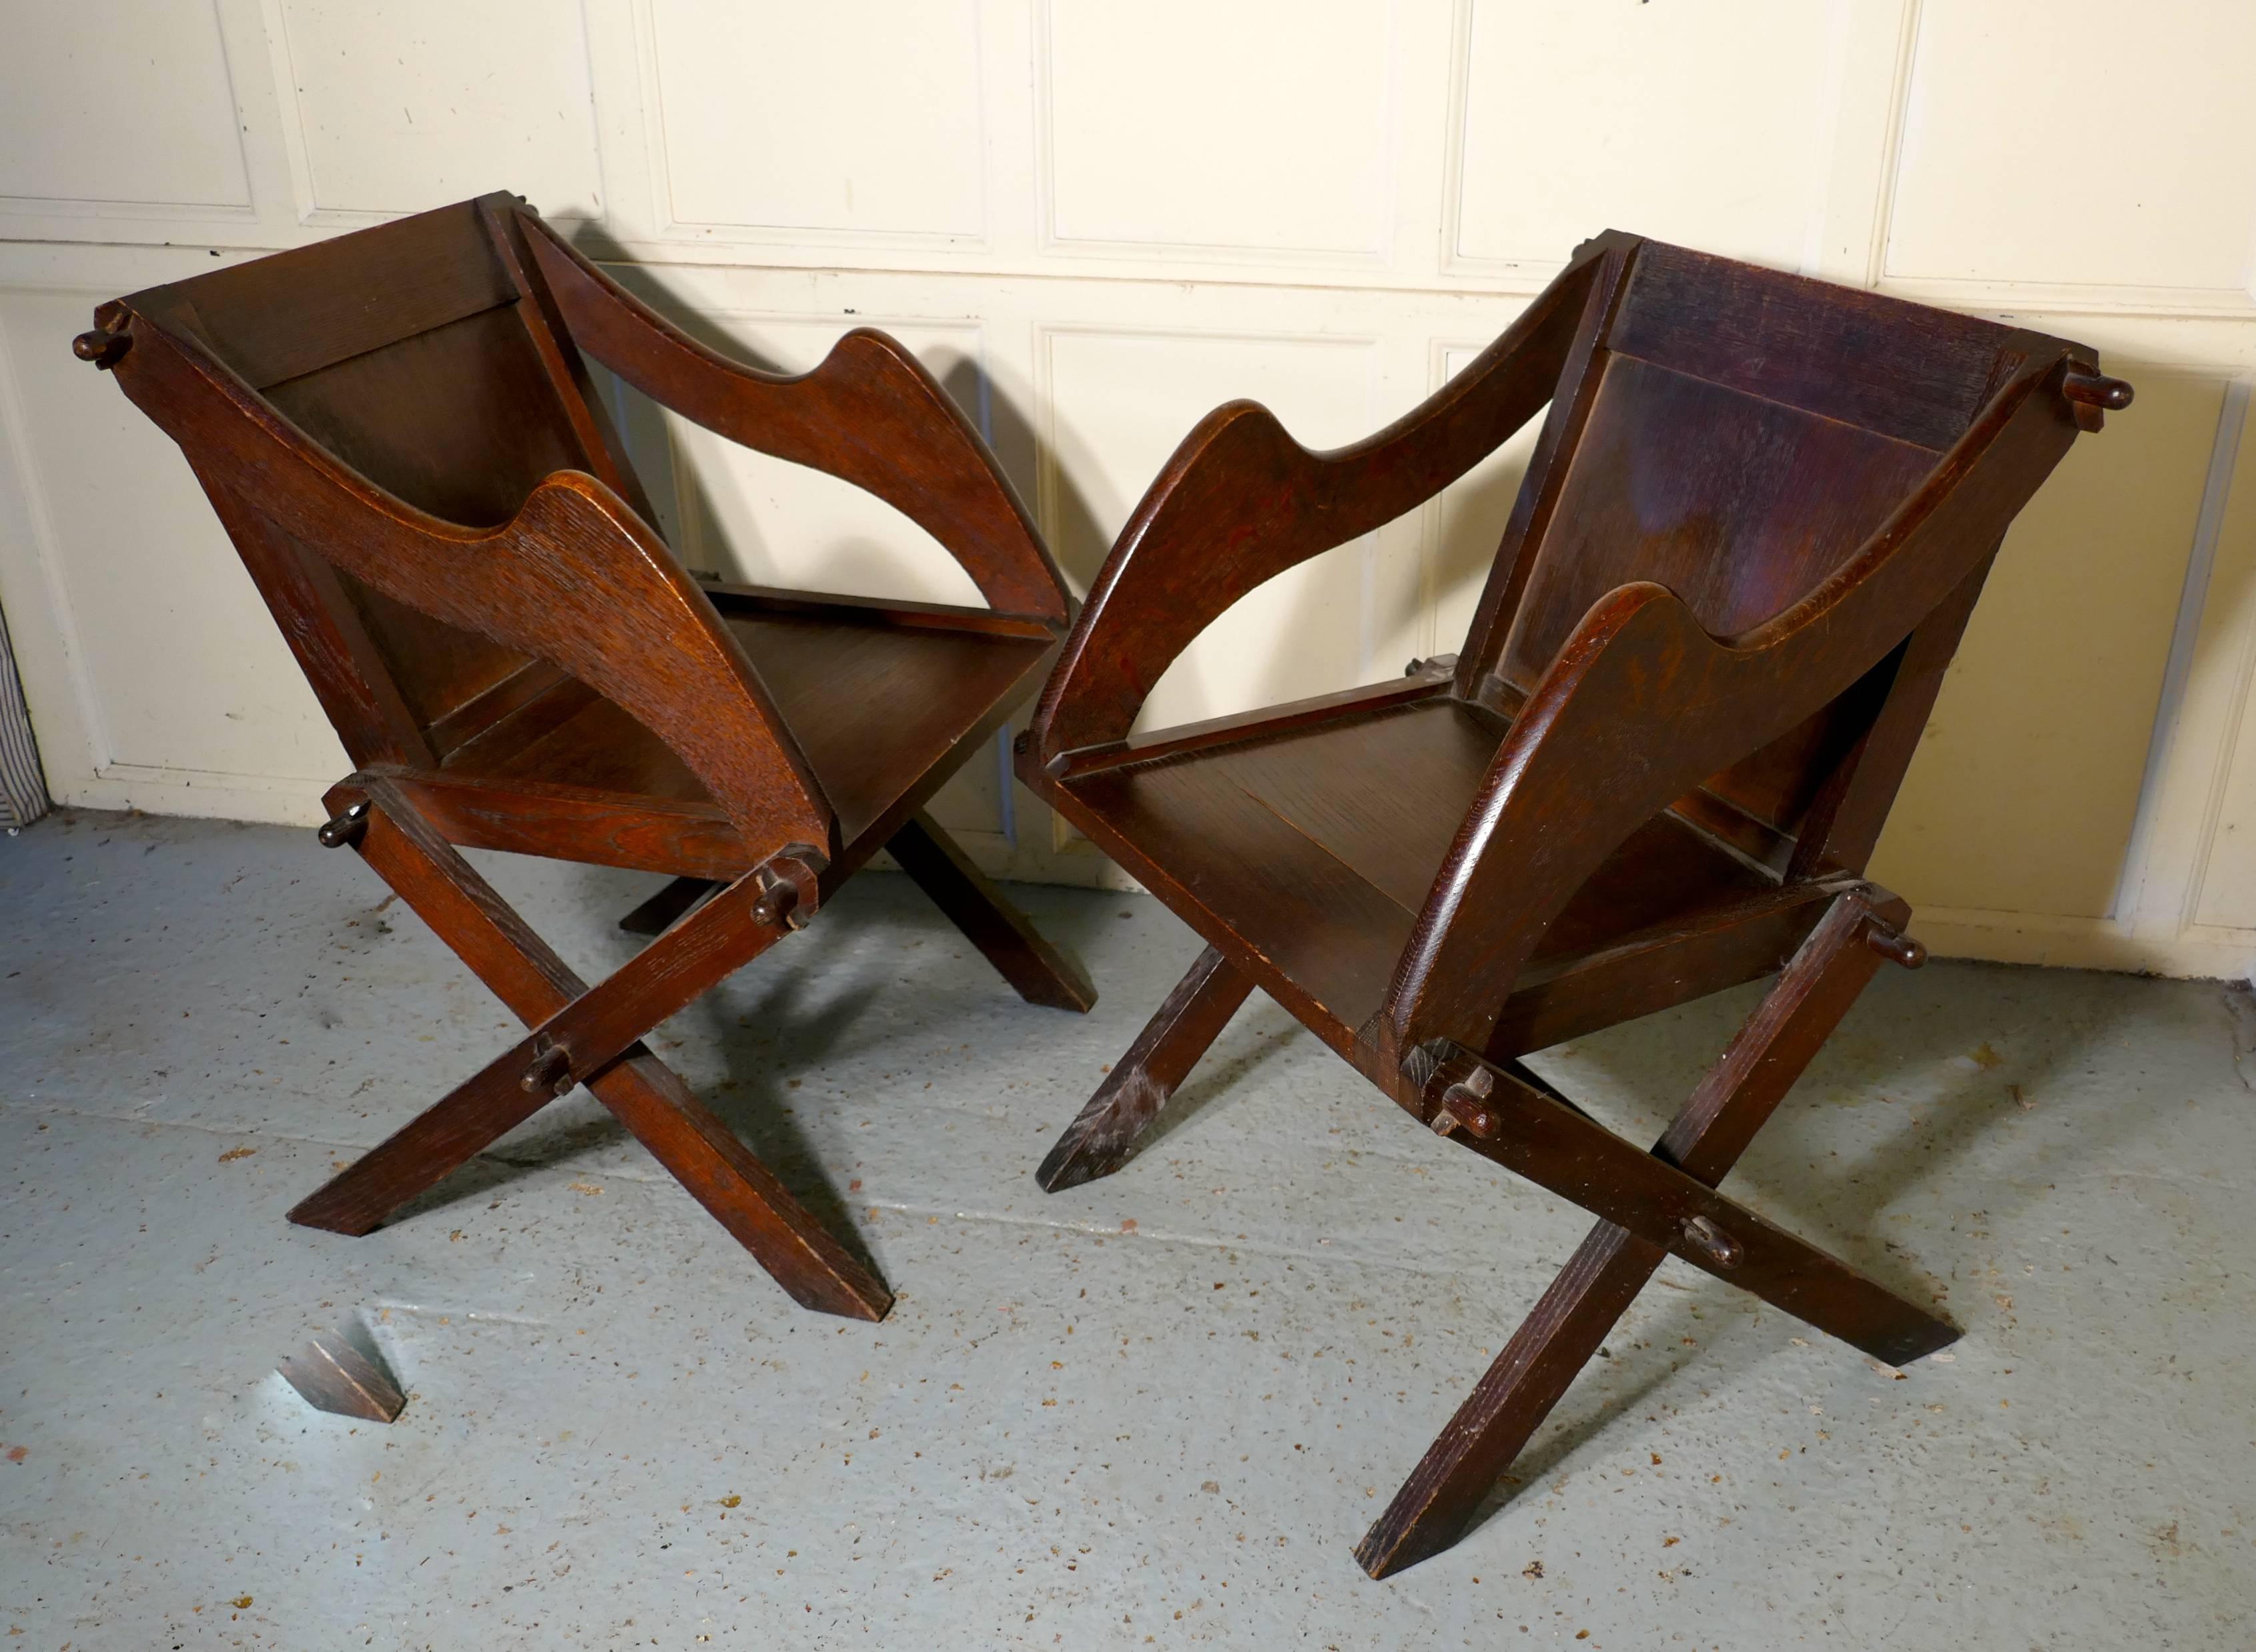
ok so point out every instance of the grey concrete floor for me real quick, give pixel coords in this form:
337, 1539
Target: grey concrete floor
1154, 1411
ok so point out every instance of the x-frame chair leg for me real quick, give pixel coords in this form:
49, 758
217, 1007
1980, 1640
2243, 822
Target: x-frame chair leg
1103, 1133
1733, 1101
656, 915
589, 1035
1036, 970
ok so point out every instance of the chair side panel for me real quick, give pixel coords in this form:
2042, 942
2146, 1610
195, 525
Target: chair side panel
406, 352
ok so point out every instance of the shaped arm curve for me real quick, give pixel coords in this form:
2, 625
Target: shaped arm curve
1643, 704
868, 413
1241, 502
576, 578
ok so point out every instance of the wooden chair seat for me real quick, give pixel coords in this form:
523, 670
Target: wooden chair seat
875, 703
1314, 849
1755, 520
398, 430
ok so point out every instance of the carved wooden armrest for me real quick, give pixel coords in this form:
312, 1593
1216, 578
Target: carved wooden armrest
1241, 502
1642, 703
869, 414
576, 578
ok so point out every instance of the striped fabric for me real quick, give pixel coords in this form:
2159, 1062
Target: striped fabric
23, 790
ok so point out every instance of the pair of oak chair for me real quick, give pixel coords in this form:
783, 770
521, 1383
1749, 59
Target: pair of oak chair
1756, 518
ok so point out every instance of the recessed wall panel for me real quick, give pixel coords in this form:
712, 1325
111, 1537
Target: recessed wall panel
187, 668
403, 105
1258, 125
856, 116
2079, 142
1122, 402
1468, 521
109, 101
1701, 124
2025, 788
766, 521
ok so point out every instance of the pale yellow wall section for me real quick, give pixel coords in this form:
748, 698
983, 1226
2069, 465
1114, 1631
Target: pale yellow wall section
2025, 788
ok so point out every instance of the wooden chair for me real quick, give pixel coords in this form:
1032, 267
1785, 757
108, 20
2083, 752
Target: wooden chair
1756, 520
397, 429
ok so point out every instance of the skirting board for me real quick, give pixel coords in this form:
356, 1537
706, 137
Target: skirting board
2203, 951
2197, 952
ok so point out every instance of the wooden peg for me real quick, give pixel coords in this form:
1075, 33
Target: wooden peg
2097, 390
779, 905
789, 891
1712, 1242
340, 830
2092, 395
1894, 946
103, 348
550, 1073
1465, 1105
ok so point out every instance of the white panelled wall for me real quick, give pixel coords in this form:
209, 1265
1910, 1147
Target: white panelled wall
1094, 222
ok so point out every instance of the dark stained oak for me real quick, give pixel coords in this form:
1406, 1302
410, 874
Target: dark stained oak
1036, 970
654, 915
1756, 518
1613, 1264
398, 429
1099, 1141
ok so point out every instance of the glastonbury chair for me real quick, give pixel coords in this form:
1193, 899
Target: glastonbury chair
397, 429
1755, 522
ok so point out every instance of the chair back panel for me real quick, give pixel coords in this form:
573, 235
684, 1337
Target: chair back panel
1746, 432
1740, 506
406, 351
462, 421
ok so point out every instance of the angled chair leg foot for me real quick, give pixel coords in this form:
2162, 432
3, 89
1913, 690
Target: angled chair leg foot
1553, 1344
657, 914
1733, 1101
742, 1193
439, 1140
1036, 970
1099, 1141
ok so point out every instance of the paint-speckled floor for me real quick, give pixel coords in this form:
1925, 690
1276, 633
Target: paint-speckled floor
1154, 1411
